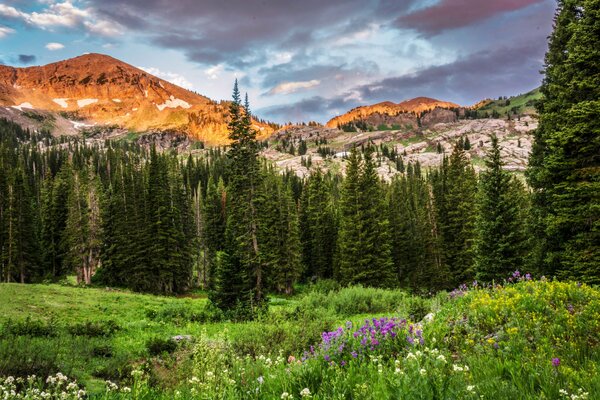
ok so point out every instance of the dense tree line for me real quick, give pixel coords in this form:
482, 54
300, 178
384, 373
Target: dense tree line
120, 214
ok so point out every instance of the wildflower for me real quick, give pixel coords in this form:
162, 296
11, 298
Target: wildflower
457, 368
441, 358
556, 362
305, 392
398, 371
470, 388
260, 379
286, 395
423, 371
126, 389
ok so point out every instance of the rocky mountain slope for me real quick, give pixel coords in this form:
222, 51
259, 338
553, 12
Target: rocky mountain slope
326, 147
96, 89
388, 113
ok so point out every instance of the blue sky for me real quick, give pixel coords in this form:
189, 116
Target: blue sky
298, 60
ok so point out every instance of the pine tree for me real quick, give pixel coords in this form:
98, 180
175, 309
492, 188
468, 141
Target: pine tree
455, 188
215, 218
240, 267
349, 249
364, 253
318, 228
500, 245
564, 168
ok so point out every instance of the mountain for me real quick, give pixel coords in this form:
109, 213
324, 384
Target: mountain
523, 104
102, 90
390, 113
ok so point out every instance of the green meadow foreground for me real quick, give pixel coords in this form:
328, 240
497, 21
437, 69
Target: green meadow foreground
524, 340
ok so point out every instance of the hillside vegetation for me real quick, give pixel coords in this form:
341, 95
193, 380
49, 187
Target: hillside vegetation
523, 104
523, 340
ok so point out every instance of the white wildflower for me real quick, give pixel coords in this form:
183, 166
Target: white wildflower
305, 392
470, 388
423, 371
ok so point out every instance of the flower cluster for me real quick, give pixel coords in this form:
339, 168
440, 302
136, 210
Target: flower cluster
57, 386
376, 336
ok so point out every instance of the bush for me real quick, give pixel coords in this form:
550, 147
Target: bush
29, 327
358, 300
181, 314
94, 328
157, 346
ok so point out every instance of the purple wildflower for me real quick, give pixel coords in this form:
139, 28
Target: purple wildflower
556, 362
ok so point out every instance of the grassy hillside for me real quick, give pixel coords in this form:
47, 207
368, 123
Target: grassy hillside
520, 105
524, 340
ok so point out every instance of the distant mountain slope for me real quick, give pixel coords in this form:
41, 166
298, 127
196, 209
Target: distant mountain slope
523, 104
387, 109
104, 90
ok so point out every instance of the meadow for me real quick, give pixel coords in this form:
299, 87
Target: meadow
525, 339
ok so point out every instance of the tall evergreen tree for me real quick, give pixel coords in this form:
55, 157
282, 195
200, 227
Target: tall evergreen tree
455, 188
240, 281
500, 245
564, 167
364, 243
318, 229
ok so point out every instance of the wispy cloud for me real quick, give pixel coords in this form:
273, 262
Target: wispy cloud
5, 31
174, 78
292, 87
53, 46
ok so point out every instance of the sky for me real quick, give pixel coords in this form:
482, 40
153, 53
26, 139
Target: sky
298, 60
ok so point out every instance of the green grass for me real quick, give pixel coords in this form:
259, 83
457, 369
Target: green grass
495, 342
522, 104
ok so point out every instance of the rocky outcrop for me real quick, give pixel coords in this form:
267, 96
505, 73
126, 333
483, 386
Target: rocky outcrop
416, 106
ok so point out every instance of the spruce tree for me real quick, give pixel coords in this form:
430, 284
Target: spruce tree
500, 245
240, 280
564, 167
318, 229
455, 188
364, 253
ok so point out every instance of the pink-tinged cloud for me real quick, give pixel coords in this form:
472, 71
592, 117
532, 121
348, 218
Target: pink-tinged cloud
452, 14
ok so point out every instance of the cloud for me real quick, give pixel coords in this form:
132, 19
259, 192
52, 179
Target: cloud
5, 31
292, 87
26, 58
174, 78
488, 73
52, 46
214, 72
64, 15
452, 14
243, 33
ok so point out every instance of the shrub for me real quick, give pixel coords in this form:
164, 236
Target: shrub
94, 328
157, 346
29, 327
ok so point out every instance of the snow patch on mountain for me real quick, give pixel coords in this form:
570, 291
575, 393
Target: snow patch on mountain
85, 102
172, 102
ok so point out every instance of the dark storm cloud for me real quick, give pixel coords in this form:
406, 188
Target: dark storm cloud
237, 32
484, 74
452, 14
26, 59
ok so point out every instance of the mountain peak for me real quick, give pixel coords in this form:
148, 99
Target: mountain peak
417, 105
105, 90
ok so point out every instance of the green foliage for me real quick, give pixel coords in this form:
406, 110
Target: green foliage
501, 245
564, 168
157, 346
364, 253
